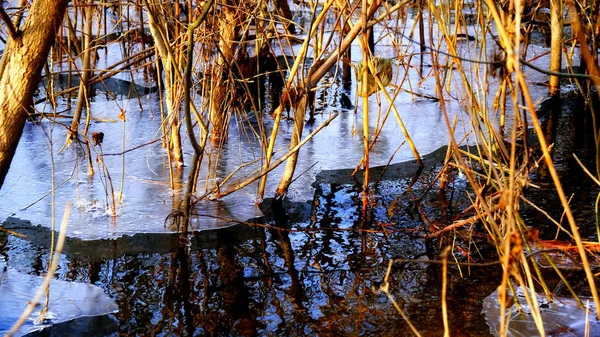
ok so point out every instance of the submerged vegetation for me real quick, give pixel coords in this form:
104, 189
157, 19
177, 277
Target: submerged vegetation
262, 66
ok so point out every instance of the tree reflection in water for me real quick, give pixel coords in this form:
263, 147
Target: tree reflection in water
299, 276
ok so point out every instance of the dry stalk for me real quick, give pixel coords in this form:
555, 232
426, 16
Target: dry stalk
445, 290
49, 276
385, 288
366, 53
293, 74
218, 194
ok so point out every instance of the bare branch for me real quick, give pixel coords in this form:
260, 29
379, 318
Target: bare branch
12, 31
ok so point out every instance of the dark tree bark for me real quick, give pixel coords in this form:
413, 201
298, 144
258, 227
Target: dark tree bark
20, 73
284, 8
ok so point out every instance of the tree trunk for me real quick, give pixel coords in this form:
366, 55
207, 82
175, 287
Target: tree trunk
22, 64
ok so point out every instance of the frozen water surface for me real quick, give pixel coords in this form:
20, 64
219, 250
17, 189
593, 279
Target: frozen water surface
67, 301
139, 181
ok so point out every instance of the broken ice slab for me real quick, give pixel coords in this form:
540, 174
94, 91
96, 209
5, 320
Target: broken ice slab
70, 302
561, 317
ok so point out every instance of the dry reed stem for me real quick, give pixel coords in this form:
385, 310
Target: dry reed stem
293, 73
492, 224
512, 66
586, 54
385, 288
373, 72
49, 276
218, 194
366, 54
560, 191
445, 290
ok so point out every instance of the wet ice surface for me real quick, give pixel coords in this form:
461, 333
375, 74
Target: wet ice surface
562, 316
68, 301
139, 181
147, 198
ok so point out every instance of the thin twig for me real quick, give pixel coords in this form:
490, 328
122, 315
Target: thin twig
12, 31
49, 276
